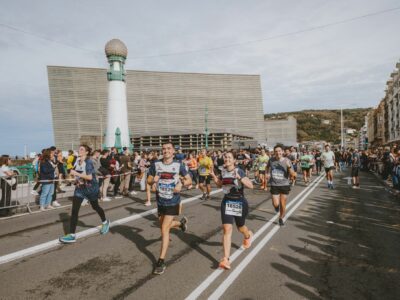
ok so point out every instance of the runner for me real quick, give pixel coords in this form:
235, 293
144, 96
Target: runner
312, 164
262, 161
328, 159
164, 176
87, 187
337, 160
280, 169
193, 166
355, 167
318, 163
305, 163
205, 166
234, 206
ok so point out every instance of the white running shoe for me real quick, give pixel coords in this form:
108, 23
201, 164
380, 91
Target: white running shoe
133, 193
49, 207
33, 192
42, 208
106, 199
56, 204
85, 202
118, 197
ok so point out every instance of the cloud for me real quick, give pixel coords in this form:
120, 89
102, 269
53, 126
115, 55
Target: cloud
347, 64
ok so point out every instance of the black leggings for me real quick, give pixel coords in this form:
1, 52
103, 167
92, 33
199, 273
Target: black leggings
76, 205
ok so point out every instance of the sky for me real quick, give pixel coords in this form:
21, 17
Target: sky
343, 65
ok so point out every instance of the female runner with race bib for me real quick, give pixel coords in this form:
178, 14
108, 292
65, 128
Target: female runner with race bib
234, 207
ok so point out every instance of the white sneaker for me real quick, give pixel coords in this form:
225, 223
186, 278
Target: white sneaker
133, 193
42, 208
33, 192
85, 202
49, 207
106, 199
56, 204
118, 197
147, 204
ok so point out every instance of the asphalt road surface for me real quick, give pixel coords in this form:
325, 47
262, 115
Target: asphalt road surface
336, 244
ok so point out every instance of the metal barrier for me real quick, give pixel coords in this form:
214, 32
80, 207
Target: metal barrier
15, 192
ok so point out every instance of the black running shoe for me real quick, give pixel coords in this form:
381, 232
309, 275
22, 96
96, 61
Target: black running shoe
204, 197
160, 267
281, 222
183, 225
276, 208
208, 197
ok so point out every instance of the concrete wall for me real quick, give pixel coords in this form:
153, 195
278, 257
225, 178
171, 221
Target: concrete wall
161, 102
281, 131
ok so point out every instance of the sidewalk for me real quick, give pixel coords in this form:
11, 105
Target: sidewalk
386, 183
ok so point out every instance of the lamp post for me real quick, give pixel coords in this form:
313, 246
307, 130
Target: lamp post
206, 126
341, 128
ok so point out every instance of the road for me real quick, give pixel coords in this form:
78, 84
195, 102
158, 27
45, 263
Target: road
337, 244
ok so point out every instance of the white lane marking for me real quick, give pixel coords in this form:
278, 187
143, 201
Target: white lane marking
55, 243
245, 262
210, 279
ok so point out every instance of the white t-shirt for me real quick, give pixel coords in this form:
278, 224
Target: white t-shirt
3, 170
328, 158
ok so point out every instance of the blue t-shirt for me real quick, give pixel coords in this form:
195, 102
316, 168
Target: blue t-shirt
169, 177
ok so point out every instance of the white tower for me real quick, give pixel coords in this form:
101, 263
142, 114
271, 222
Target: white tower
117, 134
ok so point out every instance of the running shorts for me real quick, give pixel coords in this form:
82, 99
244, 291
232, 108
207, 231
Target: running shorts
329, 169
206, 179
261, 172
169, 210
306, 169
234, 210
277, 190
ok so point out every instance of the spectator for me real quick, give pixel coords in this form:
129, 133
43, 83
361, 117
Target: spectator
71, 160
60, 174
47, 175
126, 169
105, 172
7, 182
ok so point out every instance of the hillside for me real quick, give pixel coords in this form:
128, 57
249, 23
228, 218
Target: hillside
313, 124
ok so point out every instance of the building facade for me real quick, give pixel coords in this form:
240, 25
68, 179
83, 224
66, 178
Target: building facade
159, 104
393, 105
282, 131
384, 120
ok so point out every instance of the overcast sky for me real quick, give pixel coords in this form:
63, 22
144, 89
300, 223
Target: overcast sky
343, 65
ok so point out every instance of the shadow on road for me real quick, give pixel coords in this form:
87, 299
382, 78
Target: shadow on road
352, 247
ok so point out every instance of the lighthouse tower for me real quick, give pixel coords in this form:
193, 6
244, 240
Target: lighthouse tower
117, 134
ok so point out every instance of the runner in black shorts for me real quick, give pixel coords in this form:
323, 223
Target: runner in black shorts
234, 206
279, 169
164, 177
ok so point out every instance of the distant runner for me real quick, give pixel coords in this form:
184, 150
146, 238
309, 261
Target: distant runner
328, 159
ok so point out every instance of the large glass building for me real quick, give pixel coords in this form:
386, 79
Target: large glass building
160, 104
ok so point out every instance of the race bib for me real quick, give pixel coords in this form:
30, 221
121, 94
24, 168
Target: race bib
234, 208
166, 189
202, 170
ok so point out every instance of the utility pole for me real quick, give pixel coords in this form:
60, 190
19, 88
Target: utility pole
341, 128
206, 126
